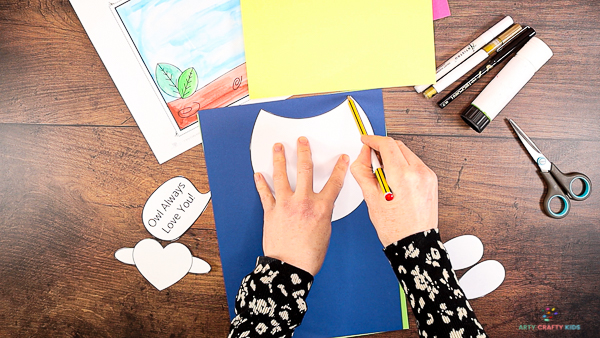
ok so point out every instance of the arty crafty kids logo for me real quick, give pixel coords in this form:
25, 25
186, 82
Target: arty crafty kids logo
549, 314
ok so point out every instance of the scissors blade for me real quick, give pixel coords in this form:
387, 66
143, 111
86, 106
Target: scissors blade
533, 150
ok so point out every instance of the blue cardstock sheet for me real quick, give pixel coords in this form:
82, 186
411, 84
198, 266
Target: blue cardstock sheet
356, 290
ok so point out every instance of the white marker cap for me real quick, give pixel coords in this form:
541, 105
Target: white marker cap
536, 52
493, 32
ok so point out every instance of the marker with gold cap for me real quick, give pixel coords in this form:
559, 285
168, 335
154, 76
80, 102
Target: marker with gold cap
375, 164
469, 50
473, 61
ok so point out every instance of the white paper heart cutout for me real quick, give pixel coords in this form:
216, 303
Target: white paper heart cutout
162, 267
199, 266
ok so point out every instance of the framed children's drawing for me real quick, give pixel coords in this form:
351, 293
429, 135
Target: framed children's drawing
169, 59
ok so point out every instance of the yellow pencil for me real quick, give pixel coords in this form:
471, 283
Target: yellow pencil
375, 164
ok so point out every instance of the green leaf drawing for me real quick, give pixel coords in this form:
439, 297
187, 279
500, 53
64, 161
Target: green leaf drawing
188, 82
167, 76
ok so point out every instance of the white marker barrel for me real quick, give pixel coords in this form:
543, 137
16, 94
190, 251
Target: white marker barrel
469, 50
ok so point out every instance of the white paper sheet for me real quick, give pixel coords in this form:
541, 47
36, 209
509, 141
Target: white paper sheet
132, 82
330, 135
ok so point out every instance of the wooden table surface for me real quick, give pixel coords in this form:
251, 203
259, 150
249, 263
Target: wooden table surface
75, 172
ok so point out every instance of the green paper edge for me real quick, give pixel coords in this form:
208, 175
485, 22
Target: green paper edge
403, 311
403, 308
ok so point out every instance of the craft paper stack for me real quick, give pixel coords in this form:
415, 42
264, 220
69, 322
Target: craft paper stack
440, 9
314, 46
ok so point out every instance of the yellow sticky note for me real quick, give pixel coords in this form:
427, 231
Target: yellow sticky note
314, 46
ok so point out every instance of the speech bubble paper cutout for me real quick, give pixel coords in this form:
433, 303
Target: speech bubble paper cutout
330, 135
162, 267
173, 208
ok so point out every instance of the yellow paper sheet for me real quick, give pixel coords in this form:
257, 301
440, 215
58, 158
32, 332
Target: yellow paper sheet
313, 46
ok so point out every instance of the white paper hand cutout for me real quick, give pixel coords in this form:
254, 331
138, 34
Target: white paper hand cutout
485, 277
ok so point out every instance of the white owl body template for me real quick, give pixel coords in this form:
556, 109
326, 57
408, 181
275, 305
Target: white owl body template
330, 135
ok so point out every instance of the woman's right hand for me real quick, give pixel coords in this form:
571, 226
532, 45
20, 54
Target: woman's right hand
415, 205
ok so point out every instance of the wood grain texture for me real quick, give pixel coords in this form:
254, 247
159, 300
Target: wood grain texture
51, 73
75, 172
72, 196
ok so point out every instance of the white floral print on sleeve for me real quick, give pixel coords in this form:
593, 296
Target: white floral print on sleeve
422, 266
271, 302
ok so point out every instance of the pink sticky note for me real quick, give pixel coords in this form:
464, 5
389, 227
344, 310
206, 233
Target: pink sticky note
440, 9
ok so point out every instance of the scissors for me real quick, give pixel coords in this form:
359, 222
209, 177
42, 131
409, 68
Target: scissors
559, 185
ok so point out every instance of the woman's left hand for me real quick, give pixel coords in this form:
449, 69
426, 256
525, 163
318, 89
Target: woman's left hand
297, 224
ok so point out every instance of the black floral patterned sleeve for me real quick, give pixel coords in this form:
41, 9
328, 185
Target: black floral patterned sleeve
441, 309
271, 301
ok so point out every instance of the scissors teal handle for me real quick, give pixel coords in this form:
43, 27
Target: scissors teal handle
561, 186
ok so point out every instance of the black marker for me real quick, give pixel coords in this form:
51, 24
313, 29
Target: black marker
503, 52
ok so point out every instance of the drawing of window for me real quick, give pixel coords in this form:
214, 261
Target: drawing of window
193, 51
